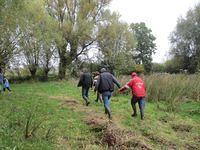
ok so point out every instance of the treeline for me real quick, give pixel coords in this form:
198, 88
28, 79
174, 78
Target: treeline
60, 34
185, 43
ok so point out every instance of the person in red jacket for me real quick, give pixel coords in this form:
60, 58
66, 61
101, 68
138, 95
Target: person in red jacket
138, 93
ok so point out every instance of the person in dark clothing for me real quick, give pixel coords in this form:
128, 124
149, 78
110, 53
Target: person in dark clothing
85, 82
105, 86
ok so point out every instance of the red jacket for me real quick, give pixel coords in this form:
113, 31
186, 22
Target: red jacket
137, 86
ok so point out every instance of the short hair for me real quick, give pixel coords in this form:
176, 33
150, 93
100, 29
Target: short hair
103, 70
85, 70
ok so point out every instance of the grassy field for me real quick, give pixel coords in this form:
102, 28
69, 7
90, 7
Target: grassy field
52, 116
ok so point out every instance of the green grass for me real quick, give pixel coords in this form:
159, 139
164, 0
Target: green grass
161, 128
68, 129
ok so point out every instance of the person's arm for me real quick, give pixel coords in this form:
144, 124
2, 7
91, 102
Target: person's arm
116, 82
122, 89
80, 81
126, 86
97, 84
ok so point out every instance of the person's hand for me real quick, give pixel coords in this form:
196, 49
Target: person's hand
119, 91
122, 89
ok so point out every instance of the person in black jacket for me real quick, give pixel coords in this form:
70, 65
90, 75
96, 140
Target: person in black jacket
85, 82
105, 86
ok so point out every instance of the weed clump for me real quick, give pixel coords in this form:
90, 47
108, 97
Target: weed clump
114, 137
181, 128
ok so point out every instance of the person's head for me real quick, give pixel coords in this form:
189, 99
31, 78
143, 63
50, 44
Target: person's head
85, 70
103, 70
97, 73
4, 78
133, 74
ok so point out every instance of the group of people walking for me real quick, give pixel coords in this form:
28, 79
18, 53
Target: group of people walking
104, 86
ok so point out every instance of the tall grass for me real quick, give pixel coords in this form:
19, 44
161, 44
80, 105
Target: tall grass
171, 88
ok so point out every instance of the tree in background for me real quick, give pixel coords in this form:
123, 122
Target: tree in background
145, 45
173, 65
32, 39
185, 41
158, 67
116, 43
36, 42
9, 33
77, 22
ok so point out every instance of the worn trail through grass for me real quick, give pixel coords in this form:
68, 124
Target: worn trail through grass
108, 132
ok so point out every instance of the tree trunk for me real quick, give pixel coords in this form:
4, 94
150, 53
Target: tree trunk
62, 67
46, 71
33, 72
66, 59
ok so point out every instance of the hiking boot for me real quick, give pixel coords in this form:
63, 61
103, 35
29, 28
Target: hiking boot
109, 116
142, 117
87, 103
133, 115
106, 112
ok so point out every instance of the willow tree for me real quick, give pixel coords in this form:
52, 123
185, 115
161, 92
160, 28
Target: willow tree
77, 21
185, 41
9, 33
116, 43
36, 36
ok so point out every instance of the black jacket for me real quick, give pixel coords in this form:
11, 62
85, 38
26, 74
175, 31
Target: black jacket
106, 82
85, 80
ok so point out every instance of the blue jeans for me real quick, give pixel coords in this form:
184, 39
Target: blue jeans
106, 101
85, 93
141, 103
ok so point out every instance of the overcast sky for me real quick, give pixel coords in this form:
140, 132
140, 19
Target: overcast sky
159, 15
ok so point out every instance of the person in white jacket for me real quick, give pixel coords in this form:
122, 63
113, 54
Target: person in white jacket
6, 85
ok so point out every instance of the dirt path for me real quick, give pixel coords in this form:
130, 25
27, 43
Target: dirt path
108, 132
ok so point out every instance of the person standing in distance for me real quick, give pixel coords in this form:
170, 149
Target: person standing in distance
85, 82
138, 93
6, 85
1, 80
105, 86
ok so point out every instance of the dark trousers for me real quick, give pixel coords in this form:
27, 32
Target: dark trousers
85, 91
98, 97
4, 89
141, 103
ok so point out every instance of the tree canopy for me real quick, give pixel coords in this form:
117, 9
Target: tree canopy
60, 34
185, 41
145, 45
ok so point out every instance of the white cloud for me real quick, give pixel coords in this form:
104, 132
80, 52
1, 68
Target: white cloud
159, 15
